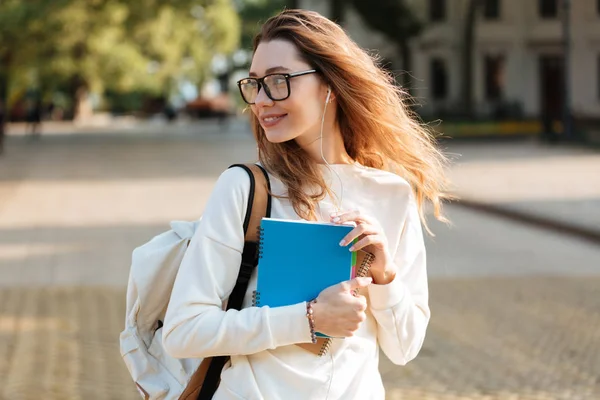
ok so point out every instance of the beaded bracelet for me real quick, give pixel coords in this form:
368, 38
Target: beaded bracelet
311, 320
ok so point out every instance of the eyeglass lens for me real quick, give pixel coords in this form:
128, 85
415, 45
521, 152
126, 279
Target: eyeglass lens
276, 88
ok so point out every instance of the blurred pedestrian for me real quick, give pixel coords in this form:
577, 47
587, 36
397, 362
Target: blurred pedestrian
34, 118
340, 147
169, 112
3, 121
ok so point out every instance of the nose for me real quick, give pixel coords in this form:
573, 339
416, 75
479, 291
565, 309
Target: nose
262, 99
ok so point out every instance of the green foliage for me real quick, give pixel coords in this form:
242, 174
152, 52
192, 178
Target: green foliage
255, 12
180, 42
120, 45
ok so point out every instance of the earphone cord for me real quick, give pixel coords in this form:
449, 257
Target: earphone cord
331, 378
339, 203
338, 208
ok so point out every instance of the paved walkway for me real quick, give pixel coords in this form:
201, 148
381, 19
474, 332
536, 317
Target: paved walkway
72, 207
555, 186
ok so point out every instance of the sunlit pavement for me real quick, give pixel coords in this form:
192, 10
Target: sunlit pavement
515, 310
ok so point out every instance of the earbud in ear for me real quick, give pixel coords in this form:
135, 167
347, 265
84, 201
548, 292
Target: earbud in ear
328, 94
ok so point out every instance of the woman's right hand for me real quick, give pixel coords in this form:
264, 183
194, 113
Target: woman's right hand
338, 312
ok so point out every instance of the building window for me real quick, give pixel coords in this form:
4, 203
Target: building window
548, 8
437, 10
439, 79
491, 9
494, 77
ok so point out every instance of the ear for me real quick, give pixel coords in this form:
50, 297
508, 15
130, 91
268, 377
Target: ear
330, 95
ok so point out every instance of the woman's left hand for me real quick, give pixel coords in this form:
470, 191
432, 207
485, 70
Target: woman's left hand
371, 238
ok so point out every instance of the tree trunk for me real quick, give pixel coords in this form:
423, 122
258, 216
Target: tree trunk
337, 8
5, 61
83, 107
79, 87
80, 109
467, 57
406, 56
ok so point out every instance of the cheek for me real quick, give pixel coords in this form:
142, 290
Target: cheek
302, 102
304, 109
307, 114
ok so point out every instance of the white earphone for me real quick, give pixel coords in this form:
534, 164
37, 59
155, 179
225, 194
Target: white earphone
327, 101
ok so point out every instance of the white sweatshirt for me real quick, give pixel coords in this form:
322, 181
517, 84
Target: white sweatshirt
265, 363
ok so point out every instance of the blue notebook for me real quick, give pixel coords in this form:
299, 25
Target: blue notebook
299, 259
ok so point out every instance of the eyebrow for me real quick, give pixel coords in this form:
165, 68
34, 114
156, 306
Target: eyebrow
272, 69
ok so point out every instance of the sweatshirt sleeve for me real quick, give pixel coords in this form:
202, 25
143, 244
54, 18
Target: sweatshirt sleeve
401, 307
196, 326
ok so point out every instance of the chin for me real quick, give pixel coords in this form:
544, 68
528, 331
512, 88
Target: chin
278, 135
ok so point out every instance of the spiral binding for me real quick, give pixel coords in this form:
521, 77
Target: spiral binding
260, 233
363, 270
255, 298
325, 348
366, 264
255, 293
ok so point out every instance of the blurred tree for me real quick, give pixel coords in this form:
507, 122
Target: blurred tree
467, 56
255, 12
337, 11
90, 50
118, 44
145, 44
21, 29
182, 41
398, 22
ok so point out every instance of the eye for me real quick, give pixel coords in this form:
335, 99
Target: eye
276, 81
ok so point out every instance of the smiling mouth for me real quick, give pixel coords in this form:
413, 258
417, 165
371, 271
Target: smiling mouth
272, 121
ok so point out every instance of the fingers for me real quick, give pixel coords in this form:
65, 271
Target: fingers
367, 241
350, 216
356, 283
361, 229
361, 304
338, 312
360, 308
365, 227
353, 324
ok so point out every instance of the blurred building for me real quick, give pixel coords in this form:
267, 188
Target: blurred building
517, 51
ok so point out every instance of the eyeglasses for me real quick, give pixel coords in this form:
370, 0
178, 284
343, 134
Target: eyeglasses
277, 86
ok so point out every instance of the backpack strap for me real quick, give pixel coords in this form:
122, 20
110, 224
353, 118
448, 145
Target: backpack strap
259, 199
259, 206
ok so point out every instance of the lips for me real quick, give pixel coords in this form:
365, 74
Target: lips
270, 120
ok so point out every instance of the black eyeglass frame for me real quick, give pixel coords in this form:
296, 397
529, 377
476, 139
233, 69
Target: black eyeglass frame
261, 84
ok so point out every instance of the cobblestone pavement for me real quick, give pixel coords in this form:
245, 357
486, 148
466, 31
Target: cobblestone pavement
72, 209
512, 338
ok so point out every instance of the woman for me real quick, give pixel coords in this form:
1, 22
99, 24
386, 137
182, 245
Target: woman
331, 128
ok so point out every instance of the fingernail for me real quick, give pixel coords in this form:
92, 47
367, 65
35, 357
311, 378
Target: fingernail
336, 219
342, 243
352, 248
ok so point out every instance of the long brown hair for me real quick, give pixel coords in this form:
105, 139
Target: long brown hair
377, 127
